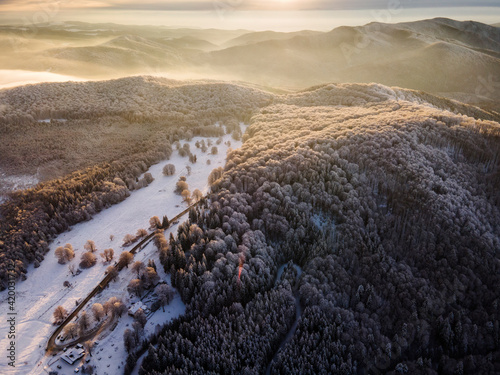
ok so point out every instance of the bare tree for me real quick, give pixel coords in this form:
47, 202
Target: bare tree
128, 239
169, 170
125, 259
165, 294
135, 286
138, 267
60, 313
197, 195
111, 270
108, 255
98, 311
142, 232
154, 222
90, 246
70, 330
88, 260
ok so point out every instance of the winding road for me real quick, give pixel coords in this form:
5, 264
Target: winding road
51, 345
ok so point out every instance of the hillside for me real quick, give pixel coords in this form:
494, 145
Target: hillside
389, 206
121, 114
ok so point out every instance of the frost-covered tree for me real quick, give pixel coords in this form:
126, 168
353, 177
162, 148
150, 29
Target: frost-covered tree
169, 170
129, 340
136, 286
108, 255
129, 239
98, 311
140, 317
70, 330
64, 254
88, 260
125, 259
154, 222
186, 196
141, 233
90, 246
181, 185
138, 267
83, 323
60, 313
165, 294
113, 272
197, 195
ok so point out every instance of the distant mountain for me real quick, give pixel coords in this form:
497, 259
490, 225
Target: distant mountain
414, 55
262, 36
189, 42
459, 60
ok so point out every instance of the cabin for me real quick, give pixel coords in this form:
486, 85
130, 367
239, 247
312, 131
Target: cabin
136, 306
73, 355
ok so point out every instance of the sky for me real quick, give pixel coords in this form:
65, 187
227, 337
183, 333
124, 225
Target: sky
34, 5
279, 15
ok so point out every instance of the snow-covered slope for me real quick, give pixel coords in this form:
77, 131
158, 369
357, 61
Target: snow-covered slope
37, 297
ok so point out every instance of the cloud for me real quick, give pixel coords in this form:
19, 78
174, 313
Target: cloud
34, 5
381, 4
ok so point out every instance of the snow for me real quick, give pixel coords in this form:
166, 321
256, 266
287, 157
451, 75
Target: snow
37, 297
322, 222
15, 182
109, 355
47, 120
72, 355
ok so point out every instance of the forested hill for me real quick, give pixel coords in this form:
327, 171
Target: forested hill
392, 209
387, 198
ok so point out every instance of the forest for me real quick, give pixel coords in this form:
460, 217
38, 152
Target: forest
386, 198
128, 143
392, 211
